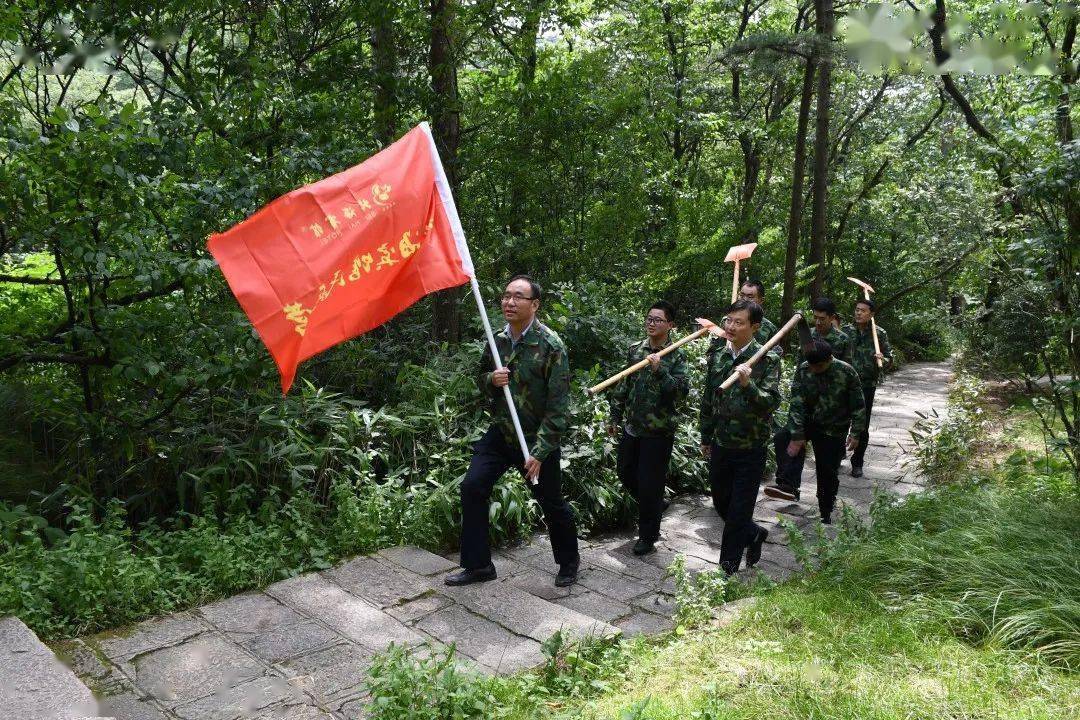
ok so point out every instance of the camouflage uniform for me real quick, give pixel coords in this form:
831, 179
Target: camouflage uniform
540, 385
862, 353
870, 374
645, 407
838, 341
648, 401
767, 330
825, 409
738, 417
735, 423
539, 382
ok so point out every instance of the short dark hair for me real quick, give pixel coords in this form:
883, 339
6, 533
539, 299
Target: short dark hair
534, 287
825, 305
867, 302
818, 352
753, 310
668, 308
755, 284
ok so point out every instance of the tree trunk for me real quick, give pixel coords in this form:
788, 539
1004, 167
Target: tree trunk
798, 177
445, 116
384, 56
820, 213
530, 28
674, 37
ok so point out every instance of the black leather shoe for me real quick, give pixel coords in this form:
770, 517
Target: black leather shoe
643, 547
567, 576
753, 553
782, 492
729, 568
826, 519
468, 577
856, 472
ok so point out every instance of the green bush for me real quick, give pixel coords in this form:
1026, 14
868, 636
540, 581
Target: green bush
945, 444
406, 684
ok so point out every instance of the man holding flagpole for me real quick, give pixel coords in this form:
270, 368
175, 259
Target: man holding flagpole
331, 260
538, 374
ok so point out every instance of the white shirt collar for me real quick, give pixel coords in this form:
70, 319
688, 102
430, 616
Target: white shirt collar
734, 353
510, 332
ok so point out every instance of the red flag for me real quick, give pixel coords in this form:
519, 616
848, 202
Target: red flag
332, 260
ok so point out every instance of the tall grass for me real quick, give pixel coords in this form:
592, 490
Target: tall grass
997, 564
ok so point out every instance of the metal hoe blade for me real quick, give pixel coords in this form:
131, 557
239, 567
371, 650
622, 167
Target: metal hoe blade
740, 252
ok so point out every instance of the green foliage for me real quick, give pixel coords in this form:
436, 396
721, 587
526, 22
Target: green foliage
944, 445
425, 684
697, 595
579, 668
103, 573
994, 564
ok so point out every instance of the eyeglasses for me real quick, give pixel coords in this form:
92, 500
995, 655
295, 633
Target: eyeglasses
515, 297
654, 320
745, 296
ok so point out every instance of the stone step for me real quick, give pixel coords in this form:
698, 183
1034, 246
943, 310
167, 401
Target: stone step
523, 613
34, 684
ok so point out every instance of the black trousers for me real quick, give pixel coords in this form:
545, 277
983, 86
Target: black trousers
828, 452
788, 469
864, 436
734, 477
642, 466
492, 457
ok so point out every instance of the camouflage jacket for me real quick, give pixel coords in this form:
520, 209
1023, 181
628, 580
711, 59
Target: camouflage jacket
765, 332
739, 417
539, 383
840, 343
862, 353
648, 401
830, 403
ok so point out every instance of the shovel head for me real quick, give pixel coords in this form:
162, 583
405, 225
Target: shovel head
740, 252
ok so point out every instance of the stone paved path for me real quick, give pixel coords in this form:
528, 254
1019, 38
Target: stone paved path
300, 649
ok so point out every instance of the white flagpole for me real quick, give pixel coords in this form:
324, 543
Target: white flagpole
466, 261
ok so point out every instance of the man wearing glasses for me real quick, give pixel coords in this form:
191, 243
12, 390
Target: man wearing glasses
538, 374
644, 413
754, 291
735, 430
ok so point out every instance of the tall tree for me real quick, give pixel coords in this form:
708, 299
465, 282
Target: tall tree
825, 25
384, 58
446, 121
798, 176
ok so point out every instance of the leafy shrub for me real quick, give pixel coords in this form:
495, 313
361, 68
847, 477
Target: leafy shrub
922, 335
944, 445
581, 668
424, 684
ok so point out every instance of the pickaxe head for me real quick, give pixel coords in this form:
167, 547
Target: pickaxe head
863, 285
803, 329
740, 252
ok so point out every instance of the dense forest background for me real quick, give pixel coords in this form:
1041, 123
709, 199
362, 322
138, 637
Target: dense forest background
614, 150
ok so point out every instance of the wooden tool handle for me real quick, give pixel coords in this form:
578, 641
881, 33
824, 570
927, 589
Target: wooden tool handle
769, 345
644, 363
873, 330
877, 346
